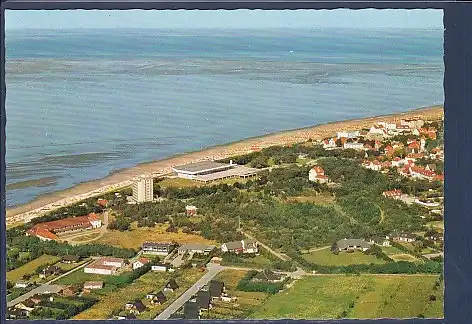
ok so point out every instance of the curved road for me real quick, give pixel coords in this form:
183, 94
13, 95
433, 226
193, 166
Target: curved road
101, 231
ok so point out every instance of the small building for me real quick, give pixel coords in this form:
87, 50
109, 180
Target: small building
216, 289
160, 267
171, 285
216, 260
317, 174
268, 276
353, 244
70, 291
191, 311
393, 194
92, 285
136, 307
404, 237
329, 144
158, 248
102, 203
17, 313
157, 298
243, 246
140, 263
382, 241
22, 284
70, 259
204, 300
105, 266
191, 210
50, 271
196, 248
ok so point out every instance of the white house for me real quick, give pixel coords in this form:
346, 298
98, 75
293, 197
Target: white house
22, 284
105, 266
140, 263
317, 174
244, 246
329, 144
352, 134
353, 145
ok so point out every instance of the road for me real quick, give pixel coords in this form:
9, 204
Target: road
213, 270
101, 232
281, 256
46, 287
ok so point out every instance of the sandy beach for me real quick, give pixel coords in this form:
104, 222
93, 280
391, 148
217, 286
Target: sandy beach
123, 178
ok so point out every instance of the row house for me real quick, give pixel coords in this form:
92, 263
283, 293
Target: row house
421, 173
347, 134
374, 165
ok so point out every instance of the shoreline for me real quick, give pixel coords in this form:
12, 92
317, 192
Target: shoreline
122, 178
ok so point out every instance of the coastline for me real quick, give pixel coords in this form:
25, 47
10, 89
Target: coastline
122, 178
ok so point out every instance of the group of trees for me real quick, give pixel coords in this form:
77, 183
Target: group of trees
62, 310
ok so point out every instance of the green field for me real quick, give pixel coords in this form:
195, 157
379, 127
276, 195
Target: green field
30, 267
366, 296
79, 277
326, 257
179, 183
258, 261
391, 250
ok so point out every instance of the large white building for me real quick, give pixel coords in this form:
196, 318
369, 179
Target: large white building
207, 171
105, 266
143, 189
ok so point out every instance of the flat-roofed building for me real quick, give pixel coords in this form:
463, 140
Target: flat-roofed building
105, 266
192, 170
158, 248
143, 188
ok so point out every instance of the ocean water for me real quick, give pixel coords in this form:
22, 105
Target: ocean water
81, 104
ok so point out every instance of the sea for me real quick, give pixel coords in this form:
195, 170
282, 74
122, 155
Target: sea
84, 103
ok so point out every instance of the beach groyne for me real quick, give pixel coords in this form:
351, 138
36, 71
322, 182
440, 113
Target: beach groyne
123, 178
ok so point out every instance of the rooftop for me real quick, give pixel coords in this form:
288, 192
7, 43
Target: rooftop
201, 166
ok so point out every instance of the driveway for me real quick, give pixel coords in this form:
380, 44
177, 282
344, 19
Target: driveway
213, 270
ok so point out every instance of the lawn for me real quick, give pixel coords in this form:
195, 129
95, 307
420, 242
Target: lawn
30, 267
179, 183
244, 305
79, 277
330, 297
404, 257
259, 261
436, 224
391, 250
137, 235
326, 257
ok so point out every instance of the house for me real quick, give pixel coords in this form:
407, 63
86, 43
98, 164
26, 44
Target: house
413, 147
216, 260
26, 305
404, 237
421, 173
17, 313
376, 132
329, 144
50, 271
413, 122
171, 285
129, 316
160, 267
136, 307
347, 134
243, 246
374, 165
102, 203
353, 146
353, 244
195, 248
191, 210
393, 194
90, 285
105, 266
22, 284
203, 300
70, 259
382, 241
216, 289
317, 174
157, 298
436, 237
268, 276
140, 263
70, 291
158, 248
191, 310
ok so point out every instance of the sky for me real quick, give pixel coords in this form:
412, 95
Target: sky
175, 19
